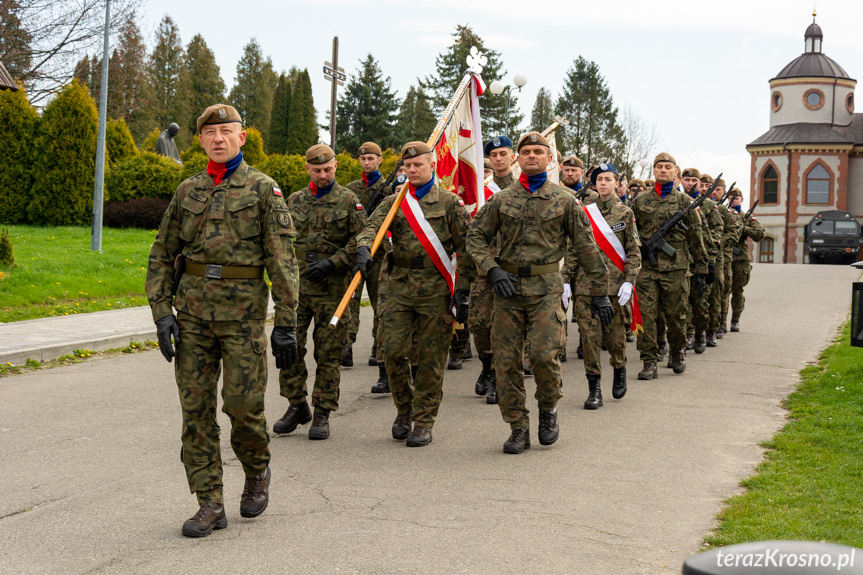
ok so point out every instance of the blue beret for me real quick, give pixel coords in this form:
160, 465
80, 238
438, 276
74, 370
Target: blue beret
602, 168
498, 142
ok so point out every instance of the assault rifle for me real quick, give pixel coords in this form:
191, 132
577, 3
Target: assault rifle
381, 193
727, 192
656, 243
743, 235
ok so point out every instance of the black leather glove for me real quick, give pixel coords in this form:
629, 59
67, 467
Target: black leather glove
460, 300
600, 304
711, 273
284, 343
362, 261
399, 181
165, 328
699, 283
501, 282
319, 270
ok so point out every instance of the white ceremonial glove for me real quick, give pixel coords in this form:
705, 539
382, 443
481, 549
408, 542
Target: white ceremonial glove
567, 293
624, 293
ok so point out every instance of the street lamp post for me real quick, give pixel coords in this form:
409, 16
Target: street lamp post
497, 88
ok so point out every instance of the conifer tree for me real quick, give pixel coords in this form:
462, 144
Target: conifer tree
254, 86
366, 109
118, 141
206, 86
280, 117
303, 126
168, 79
415, 119
542, 115
18, 124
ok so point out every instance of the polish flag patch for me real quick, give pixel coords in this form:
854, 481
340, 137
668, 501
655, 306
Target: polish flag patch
461, 202
359, 206
277, 192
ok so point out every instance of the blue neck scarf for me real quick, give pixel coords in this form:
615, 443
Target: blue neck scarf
232, 165
736, 208
421, 191
576, 187
370, 179
663, 189
533, 183
320, 192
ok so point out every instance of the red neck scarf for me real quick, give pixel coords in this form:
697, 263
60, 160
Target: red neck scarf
216, 171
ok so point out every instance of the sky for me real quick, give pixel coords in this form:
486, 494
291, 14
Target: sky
698, 71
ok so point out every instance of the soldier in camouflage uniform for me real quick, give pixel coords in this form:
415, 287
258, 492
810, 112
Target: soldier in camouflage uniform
741, 265
664, 287
730, 228
371, 183
481, 318
621, 223
327, 218
735, 225
224, 226
418, 295
533, 219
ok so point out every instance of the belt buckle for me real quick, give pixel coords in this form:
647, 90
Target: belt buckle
524, 271
311, 256
417, 263
213, 271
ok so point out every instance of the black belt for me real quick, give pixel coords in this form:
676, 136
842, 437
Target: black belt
311, 256
419, 263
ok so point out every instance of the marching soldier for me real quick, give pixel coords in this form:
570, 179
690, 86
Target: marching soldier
224, 226
741, 265
729, 233
733, 226
365, 188
533, 219
664, 287
613, 226
327, 217
481, 315
422, 290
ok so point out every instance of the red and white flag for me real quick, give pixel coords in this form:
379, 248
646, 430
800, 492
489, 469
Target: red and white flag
428, 238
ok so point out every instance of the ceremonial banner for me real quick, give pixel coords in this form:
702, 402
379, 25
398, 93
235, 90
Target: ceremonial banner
611, 246
459, 149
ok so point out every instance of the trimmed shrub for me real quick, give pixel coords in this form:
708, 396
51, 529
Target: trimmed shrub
118, 141
289, 171
145, 175
195, 148
144, 213
348, 169
253, 149
18, 123
149, 144
194, 163
65, 161
7, 252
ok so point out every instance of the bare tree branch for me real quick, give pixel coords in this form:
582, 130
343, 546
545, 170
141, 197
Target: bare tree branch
642, 139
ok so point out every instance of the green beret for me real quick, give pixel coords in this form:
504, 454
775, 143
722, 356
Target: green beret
414, 149
735, 192
219, 114
690, 173
573, 162
319, 154
720, 182
706, 178
370, 148
663, 157
532, 138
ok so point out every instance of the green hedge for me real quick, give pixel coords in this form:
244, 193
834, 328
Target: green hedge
118, 141
146, 175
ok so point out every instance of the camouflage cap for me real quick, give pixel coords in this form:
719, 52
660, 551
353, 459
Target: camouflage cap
690, 173
663, 157
573, 162
706, 178
533, 139
720, 182
219, 114
414, 149
319, 154
370, 148
636, 182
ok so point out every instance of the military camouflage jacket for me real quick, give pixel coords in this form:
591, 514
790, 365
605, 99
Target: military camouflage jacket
733, 227
622, 223
753, 229
241, 222
651, 211
501, 183
533, 230
446, 214
358, 187
326, 227
711, 230
585, 195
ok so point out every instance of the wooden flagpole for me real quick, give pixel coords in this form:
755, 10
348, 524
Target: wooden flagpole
379, 237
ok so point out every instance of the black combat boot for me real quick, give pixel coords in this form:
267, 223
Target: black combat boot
735, 326
491, 398
383, 384
348, 356
563, 356
294, 416
209, 516
419, 436
373, 356
454, 361
468, 354
548, 427
481, 387
402, 426
618, 385
579, 351
320, 428
256, 494
690, 341
700, 342
720, 333
711, 339
594, 400
629, 337
661, 351
518, 441
678, 361
648, 371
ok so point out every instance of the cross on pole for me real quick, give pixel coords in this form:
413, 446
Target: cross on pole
336, 75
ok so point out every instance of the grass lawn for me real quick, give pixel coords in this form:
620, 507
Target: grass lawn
810, 485
57, 273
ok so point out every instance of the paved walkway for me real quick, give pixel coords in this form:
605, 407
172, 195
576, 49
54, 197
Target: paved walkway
91, 480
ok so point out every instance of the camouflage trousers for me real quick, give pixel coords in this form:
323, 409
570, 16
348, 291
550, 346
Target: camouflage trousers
204, 347
460, 340
726, 293
431, 319
664, 293
593, 334
699, 304
714, 299
540, 321
329, 344
742, 271
372, 285
481, 315
382, 298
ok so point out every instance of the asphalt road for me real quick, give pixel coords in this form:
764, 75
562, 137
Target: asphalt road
91, 482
